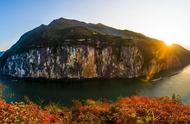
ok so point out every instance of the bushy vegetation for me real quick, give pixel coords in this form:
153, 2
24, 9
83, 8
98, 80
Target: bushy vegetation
127, 110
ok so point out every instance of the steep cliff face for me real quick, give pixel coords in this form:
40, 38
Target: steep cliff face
76, 62
83, 61
73, 49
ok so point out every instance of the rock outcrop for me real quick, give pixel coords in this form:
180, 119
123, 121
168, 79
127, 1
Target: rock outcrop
73, 49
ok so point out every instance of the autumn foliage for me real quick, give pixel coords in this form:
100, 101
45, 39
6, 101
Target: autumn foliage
128, 110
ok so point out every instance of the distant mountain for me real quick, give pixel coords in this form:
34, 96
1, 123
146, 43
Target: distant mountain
74, 49
1, 53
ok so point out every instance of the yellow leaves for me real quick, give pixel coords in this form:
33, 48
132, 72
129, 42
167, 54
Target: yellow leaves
24, 113
90, 102
133, 115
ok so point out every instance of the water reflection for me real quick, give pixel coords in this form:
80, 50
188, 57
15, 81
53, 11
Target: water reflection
65, 92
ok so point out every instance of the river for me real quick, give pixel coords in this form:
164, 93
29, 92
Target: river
65, 92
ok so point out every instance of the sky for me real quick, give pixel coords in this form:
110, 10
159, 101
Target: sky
167, 20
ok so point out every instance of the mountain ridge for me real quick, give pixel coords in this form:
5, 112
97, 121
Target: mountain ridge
95, 44
62, 23
1, 53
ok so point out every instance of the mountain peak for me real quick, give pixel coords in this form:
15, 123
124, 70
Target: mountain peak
66, 22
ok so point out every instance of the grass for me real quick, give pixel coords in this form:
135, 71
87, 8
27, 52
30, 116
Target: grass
126, 110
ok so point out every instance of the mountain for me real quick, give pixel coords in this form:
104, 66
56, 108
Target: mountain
74, 49
1, 53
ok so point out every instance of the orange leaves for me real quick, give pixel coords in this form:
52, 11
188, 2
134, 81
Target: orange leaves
28, 113
139, 109
130, 110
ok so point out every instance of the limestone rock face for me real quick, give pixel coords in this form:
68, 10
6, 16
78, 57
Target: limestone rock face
84, 62
76, 62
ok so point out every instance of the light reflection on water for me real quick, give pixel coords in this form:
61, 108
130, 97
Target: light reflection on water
65, 92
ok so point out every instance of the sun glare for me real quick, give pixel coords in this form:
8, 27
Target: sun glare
169, 43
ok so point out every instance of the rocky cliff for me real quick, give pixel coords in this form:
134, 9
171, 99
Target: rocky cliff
72, 49
76, 62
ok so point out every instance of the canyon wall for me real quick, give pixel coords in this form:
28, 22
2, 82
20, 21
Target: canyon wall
83, 61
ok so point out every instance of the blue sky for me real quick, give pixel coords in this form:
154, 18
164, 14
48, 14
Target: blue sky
167, 20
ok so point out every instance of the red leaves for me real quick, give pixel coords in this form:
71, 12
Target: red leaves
20, 112
141, 109
136, 109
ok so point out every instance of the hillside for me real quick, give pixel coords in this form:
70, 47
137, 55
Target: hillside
61, 29
89, 51
127, 110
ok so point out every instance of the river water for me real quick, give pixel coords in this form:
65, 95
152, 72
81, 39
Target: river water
64, 92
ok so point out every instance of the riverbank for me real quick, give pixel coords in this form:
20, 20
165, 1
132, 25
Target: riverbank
131, 110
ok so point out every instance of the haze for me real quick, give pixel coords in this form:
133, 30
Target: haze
166, 20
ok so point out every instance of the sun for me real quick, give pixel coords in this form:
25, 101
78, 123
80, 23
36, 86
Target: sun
169, 43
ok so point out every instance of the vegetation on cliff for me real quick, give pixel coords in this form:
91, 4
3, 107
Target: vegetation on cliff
130, 110
67, 32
